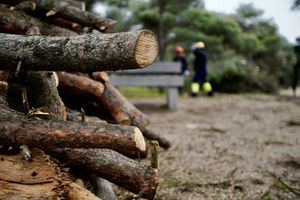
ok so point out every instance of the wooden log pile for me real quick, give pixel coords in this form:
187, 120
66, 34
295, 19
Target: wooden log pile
44, 142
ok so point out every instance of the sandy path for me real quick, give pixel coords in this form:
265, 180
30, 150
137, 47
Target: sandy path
229, 147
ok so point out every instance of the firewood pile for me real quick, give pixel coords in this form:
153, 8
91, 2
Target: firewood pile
53, 60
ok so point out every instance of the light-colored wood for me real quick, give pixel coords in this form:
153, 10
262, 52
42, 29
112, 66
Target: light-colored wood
146, 49
38, 179
76, 192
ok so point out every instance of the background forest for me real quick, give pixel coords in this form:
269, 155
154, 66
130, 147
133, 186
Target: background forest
246, 51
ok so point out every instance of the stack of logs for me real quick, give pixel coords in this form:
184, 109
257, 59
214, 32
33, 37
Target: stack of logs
47, 148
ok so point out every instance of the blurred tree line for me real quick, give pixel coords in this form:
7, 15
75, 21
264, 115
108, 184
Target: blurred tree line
246, 52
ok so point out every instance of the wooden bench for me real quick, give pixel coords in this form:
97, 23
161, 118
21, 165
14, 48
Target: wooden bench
159, 74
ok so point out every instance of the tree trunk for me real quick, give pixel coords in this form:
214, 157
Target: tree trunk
116, 168
85, 53
17, 22
39, 179
63, 9
17, 130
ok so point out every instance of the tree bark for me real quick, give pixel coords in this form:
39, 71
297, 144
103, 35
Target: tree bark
63, 9
17, 22
44, 94
85, 53
116, 168
80, 85
115, 102
38, 179
85, 89
17, 130
104, 189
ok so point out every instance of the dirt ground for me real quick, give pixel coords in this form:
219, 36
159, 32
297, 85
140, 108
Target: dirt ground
229, 147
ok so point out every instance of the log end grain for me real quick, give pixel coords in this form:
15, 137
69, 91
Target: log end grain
146, 48
139, 140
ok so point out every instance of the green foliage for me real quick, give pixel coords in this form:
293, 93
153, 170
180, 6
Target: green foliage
244, 36
242, 79
141, 92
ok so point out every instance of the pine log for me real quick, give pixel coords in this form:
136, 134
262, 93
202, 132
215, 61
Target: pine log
38, 179
44, 93
115, 102
116, 168
17, 22
81, 85
63, 9
85, 53
85, 89
17, 130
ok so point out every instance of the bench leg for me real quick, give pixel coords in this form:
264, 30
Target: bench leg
172, 98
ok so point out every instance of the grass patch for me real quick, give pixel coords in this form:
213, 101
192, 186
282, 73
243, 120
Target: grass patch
266, 196
274, 142
172, 182
142, 92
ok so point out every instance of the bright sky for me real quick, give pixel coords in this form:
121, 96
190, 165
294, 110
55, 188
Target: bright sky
279, 10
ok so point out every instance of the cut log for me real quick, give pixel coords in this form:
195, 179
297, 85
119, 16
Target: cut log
63, 9
17, 22
80, 85
116, 168
85, 89
17, 130
42, 86
115, 102
38, 179
85, 53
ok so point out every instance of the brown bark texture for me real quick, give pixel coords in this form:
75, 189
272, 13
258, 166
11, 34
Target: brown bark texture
17, 22
115, 102
63, 9
39, 179
85, 53
86, 89
44, 93
80, 85
15, 129
116, 168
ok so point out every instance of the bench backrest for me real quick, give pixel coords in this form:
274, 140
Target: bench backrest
166, 74
156, 68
